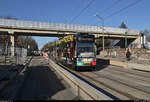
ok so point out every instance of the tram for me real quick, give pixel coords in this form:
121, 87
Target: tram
77, 51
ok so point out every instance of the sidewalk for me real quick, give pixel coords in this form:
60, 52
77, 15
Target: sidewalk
133, 64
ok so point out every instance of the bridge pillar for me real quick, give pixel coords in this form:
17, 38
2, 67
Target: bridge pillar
12, 39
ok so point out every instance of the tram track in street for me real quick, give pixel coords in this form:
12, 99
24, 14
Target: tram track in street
135, 76
140, 85
121, 82
92, 81
141, 73
125, 70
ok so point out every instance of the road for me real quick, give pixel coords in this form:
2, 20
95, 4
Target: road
120, 82
39, 82
117, 82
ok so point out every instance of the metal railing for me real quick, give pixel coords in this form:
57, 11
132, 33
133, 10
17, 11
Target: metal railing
65, 27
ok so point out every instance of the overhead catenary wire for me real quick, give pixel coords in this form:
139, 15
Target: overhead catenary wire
122, 9
85, 8
110, 6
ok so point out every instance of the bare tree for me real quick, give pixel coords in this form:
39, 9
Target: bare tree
147, 34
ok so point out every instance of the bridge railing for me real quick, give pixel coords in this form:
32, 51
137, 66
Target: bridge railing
66, 27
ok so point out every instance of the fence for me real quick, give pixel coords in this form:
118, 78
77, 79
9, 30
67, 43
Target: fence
6, 58
20, 55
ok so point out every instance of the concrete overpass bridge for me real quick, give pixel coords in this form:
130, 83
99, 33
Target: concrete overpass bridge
29, 28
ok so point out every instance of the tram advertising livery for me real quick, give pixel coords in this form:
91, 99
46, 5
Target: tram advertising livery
77, 51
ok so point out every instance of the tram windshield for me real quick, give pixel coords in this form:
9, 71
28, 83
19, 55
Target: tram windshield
85, 49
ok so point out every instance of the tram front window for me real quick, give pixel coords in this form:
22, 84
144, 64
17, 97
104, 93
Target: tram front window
85, 49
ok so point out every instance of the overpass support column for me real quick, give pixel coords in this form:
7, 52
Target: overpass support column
12, 39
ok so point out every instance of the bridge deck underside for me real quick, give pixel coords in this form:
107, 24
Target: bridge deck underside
57, 29
55, 33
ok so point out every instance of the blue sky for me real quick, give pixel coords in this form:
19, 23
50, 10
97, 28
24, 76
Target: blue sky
63, 11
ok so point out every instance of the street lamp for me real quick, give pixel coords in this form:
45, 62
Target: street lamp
102, 28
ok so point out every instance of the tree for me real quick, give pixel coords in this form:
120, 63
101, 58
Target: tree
147, 34
46, 46
24, 42
123, 25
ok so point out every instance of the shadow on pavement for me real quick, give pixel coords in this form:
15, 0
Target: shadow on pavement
101, 64
40, 83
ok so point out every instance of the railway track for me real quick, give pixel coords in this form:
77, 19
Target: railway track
131, 75
95, 83
123, 82
119, 93
141, 73
98, 82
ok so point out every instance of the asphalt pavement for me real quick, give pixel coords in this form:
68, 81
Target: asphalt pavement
39, 82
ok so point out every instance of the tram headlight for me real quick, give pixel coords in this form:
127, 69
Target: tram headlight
80, 63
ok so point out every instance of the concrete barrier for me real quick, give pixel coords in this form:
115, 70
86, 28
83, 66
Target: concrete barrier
80, 87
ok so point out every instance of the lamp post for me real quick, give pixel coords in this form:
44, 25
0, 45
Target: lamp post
126, 40
102, 28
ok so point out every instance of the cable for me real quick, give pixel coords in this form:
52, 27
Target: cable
108, 8
111, 6
128, 6
82, 10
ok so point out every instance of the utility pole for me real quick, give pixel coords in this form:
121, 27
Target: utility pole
126, 40
102, 29
55, 49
